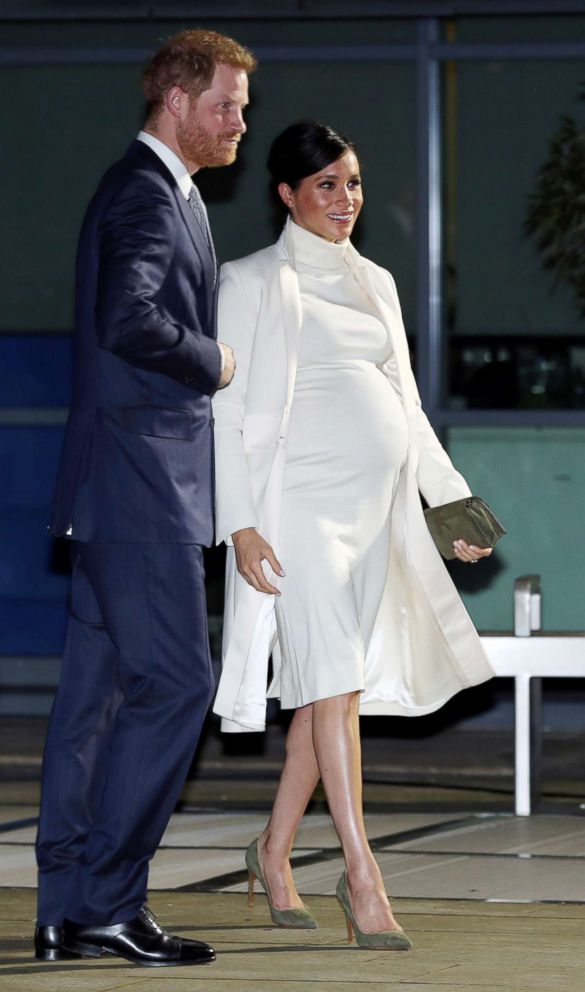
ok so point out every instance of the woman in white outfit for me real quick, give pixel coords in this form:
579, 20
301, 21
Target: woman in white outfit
322, 448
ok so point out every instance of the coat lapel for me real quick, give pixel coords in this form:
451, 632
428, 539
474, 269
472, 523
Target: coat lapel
253, 618
292, 316
378, 290
290, 300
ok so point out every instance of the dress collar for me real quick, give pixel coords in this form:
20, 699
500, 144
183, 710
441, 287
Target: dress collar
309, 249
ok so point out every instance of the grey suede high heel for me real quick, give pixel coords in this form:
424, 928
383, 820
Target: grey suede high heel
293, 919
388, 940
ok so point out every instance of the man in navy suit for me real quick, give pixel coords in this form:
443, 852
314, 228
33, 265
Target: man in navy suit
135, 495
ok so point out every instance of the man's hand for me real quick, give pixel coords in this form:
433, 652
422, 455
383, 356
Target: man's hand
229, 366
251, 550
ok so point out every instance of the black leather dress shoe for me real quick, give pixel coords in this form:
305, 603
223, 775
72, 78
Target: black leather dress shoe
49, 945
141, 940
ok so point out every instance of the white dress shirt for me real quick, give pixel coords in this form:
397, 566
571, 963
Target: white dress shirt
171, 160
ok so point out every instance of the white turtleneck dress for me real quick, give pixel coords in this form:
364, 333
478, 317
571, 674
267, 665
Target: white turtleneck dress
346, 445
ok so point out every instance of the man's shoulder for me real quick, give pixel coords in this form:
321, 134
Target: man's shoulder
138, 168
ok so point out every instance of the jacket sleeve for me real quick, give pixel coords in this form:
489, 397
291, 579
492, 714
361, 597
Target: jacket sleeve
438, 479
237, 319
138, 232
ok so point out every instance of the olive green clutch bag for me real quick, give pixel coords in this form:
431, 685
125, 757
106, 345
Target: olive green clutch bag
469, 519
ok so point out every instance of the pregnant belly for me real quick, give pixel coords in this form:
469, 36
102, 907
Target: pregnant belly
347, 426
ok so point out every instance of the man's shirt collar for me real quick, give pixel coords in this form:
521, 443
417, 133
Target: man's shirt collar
171, 160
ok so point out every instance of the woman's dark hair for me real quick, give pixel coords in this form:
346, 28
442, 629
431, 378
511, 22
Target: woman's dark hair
303, 149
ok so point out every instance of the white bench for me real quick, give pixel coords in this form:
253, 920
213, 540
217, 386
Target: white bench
528, 656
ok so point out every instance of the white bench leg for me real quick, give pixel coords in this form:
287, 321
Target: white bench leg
522, 789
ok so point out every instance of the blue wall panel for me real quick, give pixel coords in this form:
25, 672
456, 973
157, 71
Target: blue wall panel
28, 463
35, 370
33, 569
32, 627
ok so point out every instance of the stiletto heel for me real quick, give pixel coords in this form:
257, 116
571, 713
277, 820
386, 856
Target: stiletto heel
251, 880
294, 919
389, 940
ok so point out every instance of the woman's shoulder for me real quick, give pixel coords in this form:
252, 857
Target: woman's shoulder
380, 270
382, 276
256, 263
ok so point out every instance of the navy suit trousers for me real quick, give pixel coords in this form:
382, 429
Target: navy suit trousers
135, 687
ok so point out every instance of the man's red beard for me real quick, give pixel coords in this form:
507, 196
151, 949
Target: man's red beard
198, 145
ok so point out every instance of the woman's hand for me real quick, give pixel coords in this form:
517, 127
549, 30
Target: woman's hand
251, 550
469, 552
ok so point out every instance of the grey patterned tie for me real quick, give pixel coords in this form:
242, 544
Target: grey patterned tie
200, 214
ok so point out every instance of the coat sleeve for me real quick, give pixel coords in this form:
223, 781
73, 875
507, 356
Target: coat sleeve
237, 320
138, 232
438, 479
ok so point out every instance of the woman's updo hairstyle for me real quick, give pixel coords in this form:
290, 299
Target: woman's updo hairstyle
303, 149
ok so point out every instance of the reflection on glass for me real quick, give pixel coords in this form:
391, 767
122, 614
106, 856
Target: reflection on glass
508, 373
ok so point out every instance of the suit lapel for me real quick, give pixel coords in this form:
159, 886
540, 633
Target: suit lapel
142, 152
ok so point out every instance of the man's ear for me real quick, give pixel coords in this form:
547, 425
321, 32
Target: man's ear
175, 101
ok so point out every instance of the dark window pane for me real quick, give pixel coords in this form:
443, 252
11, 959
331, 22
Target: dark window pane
515, 339
508, 30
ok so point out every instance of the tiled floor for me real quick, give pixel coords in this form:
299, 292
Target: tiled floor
492, 903
458, 947
436, 856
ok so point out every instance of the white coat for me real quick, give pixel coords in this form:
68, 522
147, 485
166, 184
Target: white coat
424, 647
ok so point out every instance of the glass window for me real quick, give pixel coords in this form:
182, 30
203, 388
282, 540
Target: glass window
534, 481
64, 134
514, 338
373, 103
522, 30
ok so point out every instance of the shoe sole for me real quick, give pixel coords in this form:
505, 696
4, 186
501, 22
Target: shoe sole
93, 951
55, 954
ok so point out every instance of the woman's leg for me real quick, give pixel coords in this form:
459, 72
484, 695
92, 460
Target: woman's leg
337, 747
297, 784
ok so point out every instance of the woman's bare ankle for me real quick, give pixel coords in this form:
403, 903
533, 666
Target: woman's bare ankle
277, 874
271, 849
370, 904
364, 875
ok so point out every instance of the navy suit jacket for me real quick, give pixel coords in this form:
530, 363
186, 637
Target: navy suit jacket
137, 460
